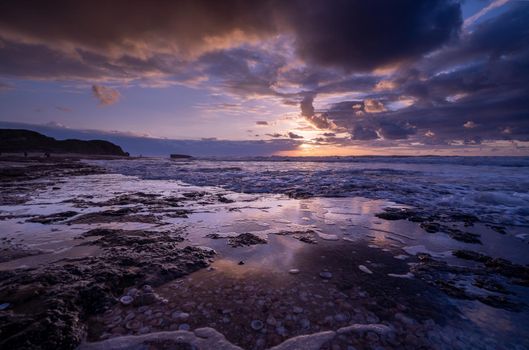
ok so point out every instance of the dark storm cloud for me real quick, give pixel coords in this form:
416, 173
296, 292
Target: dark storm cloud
368, 34
481, 81
346, 34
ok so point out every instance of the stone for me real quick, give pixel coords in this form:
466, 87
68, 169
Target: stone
363, 268
271, 320
184, 327
326, 275
297, 309
178, 315
126, 300
257, 325
378, 328
306, 342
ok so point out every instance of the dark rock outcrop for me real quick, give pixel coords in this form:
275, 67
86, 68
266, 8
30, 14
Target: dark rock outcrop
19, 140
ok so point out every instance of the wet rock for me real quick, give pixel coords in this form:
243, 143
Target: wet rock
490, 285
65, 293
293, 271
200, 339
499, 229
307, 342
10, 252
53, 218
377, 328
298, 193
112, 216
518, 274
398, 214
431, 227
501, 302
470, 255
245, 239
305, 239
4, 306
458, 235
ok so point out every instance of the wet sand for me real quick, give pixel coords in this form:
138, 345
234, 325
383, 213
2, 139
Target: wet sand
136, 257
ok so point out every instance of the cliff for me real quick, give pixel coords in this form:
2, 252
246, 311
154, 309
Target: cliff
19, 140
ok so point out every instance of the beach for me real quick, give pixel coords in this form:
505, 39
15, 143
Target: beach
381, 253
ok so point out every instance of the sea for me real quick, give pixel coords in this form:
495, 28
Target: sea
494, 189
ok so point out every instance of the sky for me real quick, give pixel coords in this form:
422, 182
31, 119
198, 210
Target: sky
271, 77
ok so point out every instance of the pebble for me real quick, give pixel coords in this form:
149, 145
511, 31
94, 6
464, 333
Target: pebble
133, 325
326, 275
304, 323
178, 315
363, 268
126, 300
144, 330
4, 306
133, 292
271, 320
281, 330
130, 316
241, 262
257, 325
184, 327
297, 309
340, 317
293, 271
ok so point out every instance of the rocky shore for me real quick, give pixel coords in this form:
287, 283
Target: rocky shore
94, 260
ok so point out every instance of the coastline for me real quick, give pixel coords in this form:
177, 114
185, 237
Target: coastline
310, 266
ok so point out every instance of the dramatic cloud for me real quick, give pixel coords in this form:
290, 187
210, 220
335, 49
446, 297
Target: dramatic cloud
105, 95
494, 4
388, 73
320, 120
369, 34
156, 39
294, 136
373, 106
